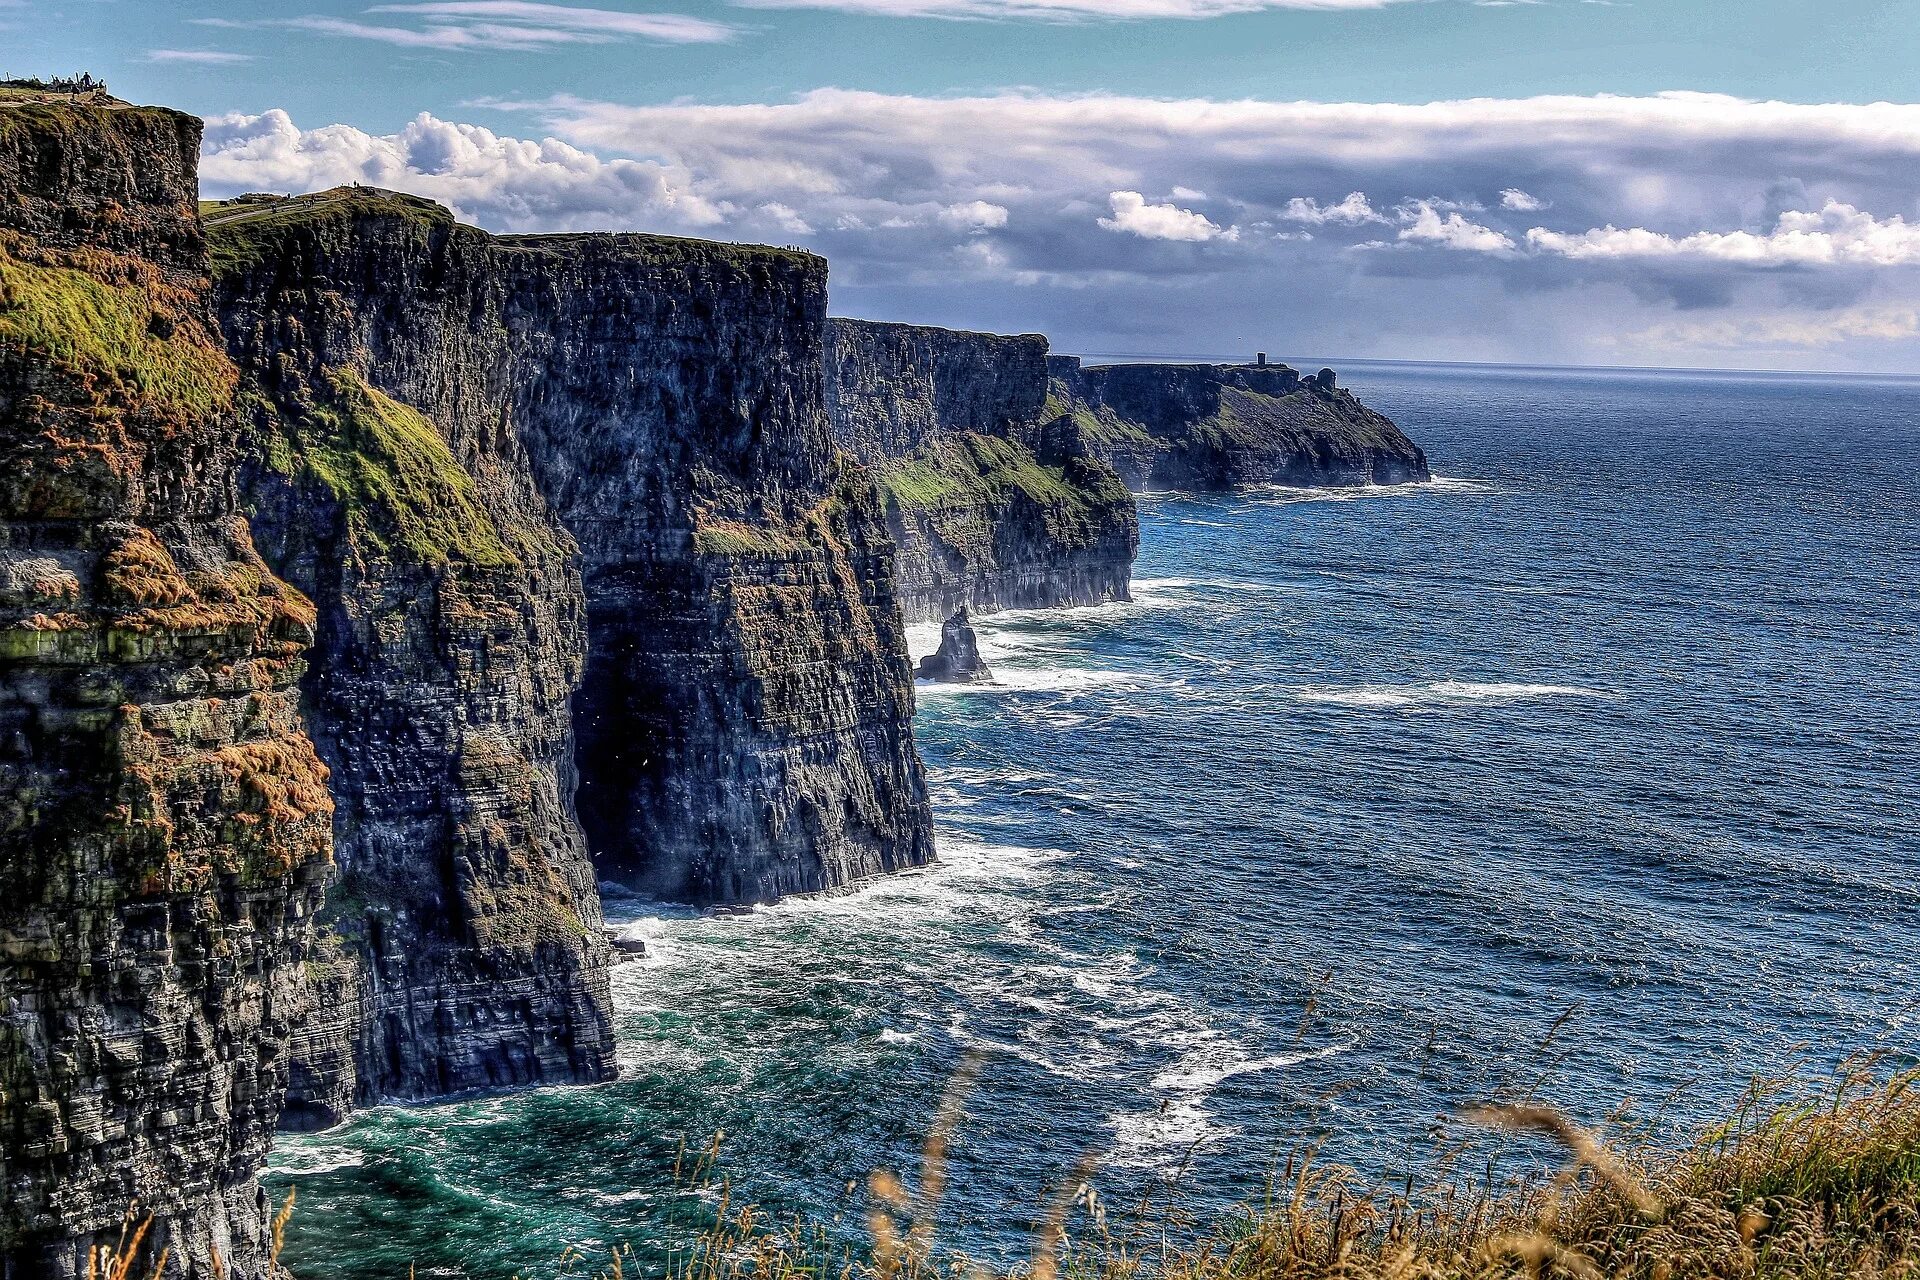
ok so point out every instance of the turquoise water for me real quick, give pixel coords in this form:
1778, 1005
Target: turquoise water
1613, 727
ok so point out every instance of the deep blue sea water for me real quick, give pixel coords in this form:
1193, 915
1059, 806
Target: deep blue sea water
1613, 727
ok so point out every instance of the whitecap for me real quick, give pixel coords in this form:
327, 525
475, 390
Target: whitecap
1275, 495
1210, 1071
1438, 693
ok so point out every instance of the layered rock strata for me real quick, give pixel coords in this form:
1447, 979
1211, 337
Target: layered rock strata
1211, 426
651, 408
384, 477
992, 493
164, 821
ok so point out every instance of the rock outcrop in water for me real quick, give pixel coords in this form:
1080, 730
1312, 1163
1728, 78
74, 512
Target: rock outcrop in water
957, 660
164, 822
993, 496
1212, 426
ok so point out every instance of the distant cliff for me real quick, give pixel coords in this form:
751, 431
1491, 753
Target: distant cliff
164, 822
992, 495
1211, 426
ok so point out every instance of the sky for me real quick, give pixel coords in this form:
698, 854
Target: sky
1717, 183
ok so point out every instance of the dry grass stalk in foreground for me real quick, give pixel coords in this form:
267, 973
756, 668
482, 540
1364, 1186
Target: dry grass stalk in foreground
1800, 1184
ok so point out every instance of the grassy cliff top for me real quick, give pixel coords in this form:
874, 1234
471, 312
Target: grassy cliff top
643, 246
261, 211
893, 326
233, 224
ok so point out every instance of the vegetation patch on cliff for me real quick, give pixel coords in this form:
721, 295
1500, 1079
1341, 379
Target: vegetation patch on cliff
966, 468
1100, 426
120, 337
389, 469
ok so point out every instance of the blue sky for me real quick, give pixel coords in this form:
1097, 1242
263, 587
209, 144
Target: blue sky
1664, 181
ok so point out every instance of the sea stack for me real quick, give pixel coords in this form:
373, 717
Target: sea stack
957, 660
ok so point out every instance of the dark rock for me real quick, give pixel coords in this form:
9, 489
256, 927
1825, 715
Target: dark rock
628, 945
993, 496
165, 825
464, 947
957, 660
652, 407
1206, 426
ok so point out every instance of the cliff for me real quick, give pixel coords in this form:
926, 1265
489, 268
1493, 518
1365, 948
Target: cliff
992, 495
627, 459
164, 821
464, 946
1211, 426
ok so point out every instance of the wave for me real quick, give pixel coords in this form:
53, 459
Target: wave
1207, 1075
1438, 693
1272, 495
1033, 680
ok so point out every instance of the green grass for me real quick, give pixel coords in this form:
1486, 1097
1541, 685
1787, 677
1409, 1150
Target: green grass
247, 231
1103, 427
390, 470
966, 469
119, 338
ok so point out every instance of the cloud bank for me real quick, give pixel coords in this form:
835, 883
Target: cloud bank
1544, 228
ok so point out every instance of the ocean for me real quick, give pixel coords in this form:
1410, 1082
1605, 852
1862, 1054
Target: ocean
1588, 772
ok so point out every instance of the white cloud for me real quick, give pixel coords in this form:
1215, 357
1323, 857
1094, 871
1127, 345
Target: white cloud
1133, 215
919, 199
197, 57
1811, 330
1452, 232
1838, 234
786, 219
1520, 202
1064, 10
509, 184
974, 214
1351, 212
513, 24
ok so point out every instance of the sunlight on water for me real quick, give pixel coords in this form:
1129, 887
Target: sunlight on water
1316, 837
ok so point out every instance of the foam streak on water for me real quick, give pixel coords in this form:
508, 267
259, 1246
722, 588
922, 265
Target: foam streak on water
1315, 838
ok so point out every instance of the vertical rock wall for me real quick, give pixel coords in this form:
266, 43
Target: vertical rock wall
745, 720
744, 711
385, 477
992, 494
164, 821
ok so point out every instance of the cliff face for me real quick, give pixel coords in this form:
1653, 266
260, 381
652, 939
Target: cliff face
642, 471
384, 477
1202, 426
746, 718
164, 821
992, 493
